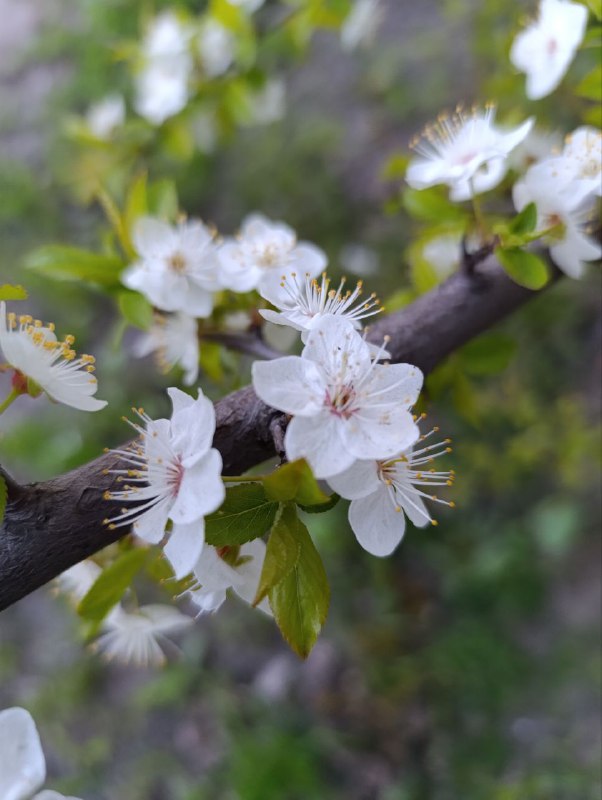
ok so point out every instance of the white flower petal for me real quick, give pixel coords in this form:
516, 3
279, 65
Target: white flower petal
378, 527
22, 763
319, 441
291, 384
201, 489
359, 480
184, 547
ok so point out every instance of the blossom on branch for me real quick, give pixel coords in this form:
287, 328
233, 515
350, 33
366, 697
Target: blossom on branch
220, 569
562, 213
345, 405
466, 151
104, 117
546, 48
174, 339
578, 169
262, 252
44, 364
177, 270
303, 302
384, 492
174, 474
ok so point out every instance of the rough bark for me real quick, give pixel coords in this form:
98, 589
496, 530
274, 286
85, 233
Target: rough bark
50, 526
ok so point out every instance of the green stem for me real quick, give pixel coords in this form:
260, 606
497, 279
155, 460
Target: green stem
9, 399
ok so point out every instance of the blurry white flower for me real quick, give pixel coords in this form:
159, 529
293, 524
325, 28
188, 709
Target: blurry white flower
178, 266
359, 259
468, 153
564, 212
443, 253
268, 104
105, 116
174, 340
263, 252
361, 24
220, 569
162, 84
44, 364
302, 302
216, 47
22, 763
77, 581
161, 93
344, 404
381, 492
545, 49
579, 166
175, 474
135, 637
205, 131
538, 145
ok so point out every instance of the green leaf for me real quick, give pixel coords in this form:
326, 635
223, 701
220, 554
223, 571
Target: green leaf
163, 200
430, 205
246, 514
282, 552
595, 6
524, 222
111, 584
3, 497
117, 221
135, 309
294, 481
320, 508
525, 268
72, 264
489, 354
591, 86
300, 600
10, 292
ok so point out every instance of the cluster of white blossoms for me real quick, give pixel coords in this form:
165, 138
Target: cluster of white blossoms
42, 363
22, 762
545, 49
352, 422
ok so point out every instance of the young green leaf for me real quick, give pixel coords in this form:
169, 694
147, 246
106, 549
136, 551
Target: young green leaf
282, 552
10, 292
111, 584
135, 206
300, 600
523, 267
246, 514
73, 264
524, 222
135, 309
294, 481
3, 497
430, 205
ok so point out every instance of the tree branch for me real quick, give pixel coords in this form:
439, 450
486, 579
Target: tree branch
50, 526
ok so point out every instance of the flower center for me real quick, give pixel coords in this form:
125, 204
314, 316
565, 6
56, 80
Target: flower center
341, 401
177, 263
269, 256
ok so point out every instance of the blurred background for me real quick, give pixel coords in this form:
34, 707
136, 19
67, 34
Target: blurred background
467, 665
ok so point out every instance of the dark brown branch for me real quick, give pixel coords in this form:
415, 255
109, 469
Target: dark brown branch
50, 526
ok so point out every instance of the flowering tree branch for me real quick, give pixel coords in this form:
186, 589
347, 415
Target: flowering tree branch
50, 526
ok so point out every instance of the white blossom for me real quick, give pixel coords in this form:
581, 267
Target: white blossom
344, 404
36, 355
220, 569
383, 492
564, 214
162, 83
361, 24
77, 581
178, 266
443, 253
538, 145
467, 152
174, 340
104, 117
545, 49
263, 252
303, 302
136, 637
579, 167
268, 104
172, 473
216, 47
